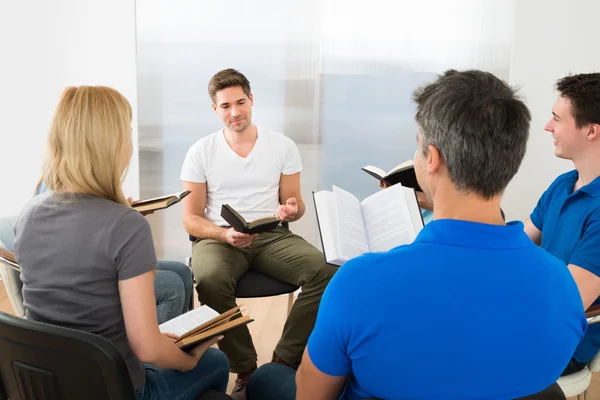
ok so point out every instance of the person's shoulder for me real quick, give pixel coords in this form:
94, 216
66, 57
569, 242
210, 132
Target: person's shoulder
275, 137
565, 178
205, 142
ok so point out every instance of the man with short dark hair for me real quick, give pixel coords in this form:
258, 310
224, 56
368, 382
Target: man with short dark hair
466, 309
566, 220
257, 172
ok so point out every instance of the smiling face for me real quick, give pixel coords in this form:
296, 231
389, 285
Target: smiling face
234, 108
570, 141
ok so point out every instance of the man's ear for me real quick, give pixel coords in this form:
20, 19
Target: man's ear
434, 159
593, 132
214, 106
251, 99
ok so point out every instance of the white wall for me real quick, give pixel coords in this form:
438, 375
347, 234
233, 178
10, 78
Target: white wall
551, 39
46, 46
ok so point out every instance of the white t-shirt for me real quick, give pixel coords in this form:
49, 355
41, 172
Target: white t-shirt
250, 185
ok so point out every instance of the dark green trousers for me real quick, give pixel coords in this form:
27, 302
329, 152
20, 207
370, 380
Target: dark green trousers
280, 254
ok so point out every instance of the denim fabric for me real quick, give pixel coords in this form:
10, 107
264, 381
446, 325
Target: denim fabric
211, 372
272, 381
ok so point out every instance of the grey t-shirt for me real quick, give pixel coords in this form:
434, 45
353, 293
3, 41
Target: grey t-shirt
73, 250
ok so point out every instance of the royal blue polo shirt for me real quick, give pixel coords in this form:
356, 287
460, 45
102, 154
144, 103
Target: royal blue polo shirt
570, 225
461, 313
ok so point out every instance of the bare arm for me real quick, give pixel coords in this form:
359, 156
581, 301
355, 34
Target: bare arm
587, 283
196, 225
290, 197
146, 341
534, 233
313, 384
193, 214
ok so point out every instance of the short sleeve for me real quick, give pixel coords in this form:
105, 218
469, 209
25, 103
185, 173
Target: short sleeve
328, 343
537, 215
587, 252
193, 167
131, 246
292, 163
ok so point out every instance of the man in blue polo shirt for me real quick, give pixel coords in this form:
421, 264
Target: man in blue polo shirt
464, 311
566, 220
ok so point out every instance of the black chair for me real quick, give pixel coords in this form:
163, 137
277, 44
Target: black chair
254, 284
46, 362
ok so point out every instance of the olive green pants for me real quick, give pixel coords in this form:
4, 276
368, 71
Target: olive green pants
279, 254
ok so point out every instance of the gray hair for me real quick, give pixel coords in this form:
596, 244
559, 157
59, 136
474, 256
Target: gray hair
478, 124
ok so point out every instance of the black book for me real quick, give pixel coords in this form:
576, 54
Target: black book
237, 222
403, 174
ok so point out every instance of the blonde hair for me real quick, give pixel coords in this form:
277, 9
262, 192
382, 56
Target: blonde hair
89, 143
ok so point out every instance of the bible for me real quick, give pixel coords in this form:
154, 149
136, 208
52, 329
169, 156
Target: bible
382, 221
203, 323
159, 203
403, 174
237, 222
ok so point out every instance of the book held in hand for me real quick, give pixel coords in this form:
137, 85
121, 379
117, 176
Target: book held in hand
203, 323
382, 221
159, 203
403, 174
237, 222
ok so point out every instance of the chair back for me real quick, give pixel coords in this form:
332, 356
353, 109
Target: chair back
41, 361
10, 277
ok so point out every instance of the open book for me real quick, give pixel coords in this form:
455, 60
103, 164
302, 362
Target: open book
237, 222
403, 174
203, 323
159, 203
382, 221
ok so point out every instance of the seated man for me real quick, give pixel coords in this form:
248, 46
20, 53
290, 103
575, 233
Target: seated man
472, 303
257, 172
566, 220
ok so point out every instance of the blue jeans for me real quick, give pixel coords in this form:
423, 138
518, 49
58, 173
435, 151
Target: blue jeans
272, 381
173, 289
211, 372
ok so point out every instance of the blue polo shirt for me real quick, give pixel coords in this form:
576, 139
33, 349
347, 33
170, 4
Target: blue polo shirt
462, 313
570, 225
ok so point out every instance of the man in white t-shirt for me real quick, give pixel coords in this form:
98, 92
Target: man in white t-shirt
257, 172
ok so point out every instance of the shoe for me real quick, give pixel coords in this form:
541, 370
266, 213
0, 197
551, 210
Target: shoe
239, 390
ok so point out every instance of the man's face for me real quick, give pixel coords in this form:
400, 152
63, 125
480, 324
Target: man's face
569, 140
234, 108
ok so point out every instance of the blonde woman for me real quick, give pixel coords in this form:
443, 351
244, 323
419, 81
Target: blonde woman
87, 258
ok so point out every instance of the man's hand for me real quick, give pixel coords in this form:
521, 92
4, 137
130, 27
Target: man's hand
288, 211
383, 185
424, 201
132, 202
237, 239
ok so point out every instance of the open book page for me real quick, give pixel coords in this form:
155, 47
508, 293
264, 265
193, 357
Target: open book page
404, 165
388, 221
377, 171
327, 220
178, 195
352, 236
188, 321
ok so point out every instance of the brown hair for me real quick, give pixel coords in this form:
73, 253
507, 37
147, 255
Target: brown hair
584, 92
225, 79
